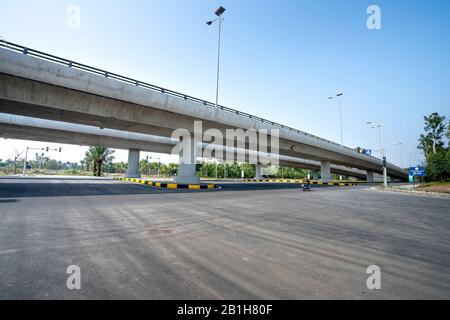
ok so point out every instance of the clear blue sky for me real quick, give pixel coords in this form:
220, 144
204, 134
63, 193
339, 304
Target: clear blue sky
280, 59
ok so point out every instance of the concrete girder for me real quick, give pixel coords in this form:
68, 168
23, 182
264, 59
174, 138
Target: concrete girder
78, 81
19, 127
14, 107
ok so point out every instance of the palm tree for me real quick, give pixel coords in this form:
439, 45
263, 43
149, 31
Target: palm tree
96, 156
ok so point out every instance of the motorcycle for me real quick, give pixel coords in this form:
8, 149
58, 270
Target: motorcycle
306, 187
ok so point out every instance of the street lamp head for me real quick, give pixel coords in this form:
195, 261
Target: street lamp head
220, 10
209, 23
339, 95
330, 98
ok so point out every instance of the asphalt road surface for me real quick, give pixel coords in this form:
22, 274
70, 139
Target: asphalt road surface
253, 241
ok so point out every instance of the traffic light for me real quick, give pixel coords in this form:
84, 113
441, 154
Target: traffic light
60, 149
384, 162
46, 149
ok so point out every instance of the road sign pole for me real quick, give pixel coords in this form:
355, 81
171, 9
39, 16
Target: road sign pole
25, 163
385, 172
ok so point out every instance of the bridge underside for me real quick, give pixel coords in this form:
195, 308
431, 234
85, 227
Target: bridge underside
40, 100
42, 86
105, 138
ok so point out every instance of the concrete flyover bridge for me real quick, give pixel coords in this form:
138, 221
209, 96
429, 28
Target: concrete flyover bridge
40, 85
27, 128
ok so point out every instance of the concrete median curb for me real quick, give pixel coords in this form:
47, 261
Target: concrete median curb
337, 184
169, 185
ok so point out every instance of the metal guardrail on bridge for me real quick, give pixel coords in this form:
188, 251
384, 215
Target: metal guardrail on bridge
111, 75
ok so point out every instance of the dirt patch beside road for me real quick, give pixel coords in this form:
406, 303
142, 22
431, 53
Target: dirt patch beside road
435, 187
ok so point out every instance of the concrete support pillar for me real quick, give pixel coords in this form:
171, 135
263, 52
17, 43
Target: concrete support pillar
259, 171
325, 171
133, 164
187, 170
315, 175
370, 176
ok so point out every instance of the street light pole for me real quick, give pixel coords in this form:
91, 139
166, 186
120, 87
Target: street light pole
218, 13
25, 162
340, 116
339, 97
225, 170
382, 150
400, 144
380, 131
218, 64
410, 156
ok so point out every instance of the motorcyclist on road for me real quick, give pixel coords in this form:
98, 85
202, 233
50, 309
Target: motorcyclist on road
306, 184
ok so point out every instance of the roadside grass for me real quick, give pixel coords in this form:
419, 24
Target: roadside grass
435, 186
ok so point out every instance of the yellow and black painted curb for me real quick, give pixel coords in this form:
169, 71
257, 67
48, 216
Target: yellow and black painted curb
169, 185
340, 184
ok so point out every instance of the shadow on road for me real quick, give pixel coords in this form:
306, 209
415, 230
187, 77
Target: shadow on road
61, 187
8, 201
56, 178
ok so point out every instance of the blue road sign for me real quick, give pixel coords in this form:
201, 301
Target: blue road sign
417, 171
368, 152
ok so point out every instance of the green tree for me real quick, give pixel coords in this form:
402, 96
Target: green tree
249, 170
438, 166
207, 170
431, 142
448, 132
16, 158
96, 156
169, 170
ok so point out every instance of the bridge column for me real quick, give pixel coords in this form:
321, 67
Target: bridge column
187, 170
133, 164
259, 171
325, 171
370, 176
